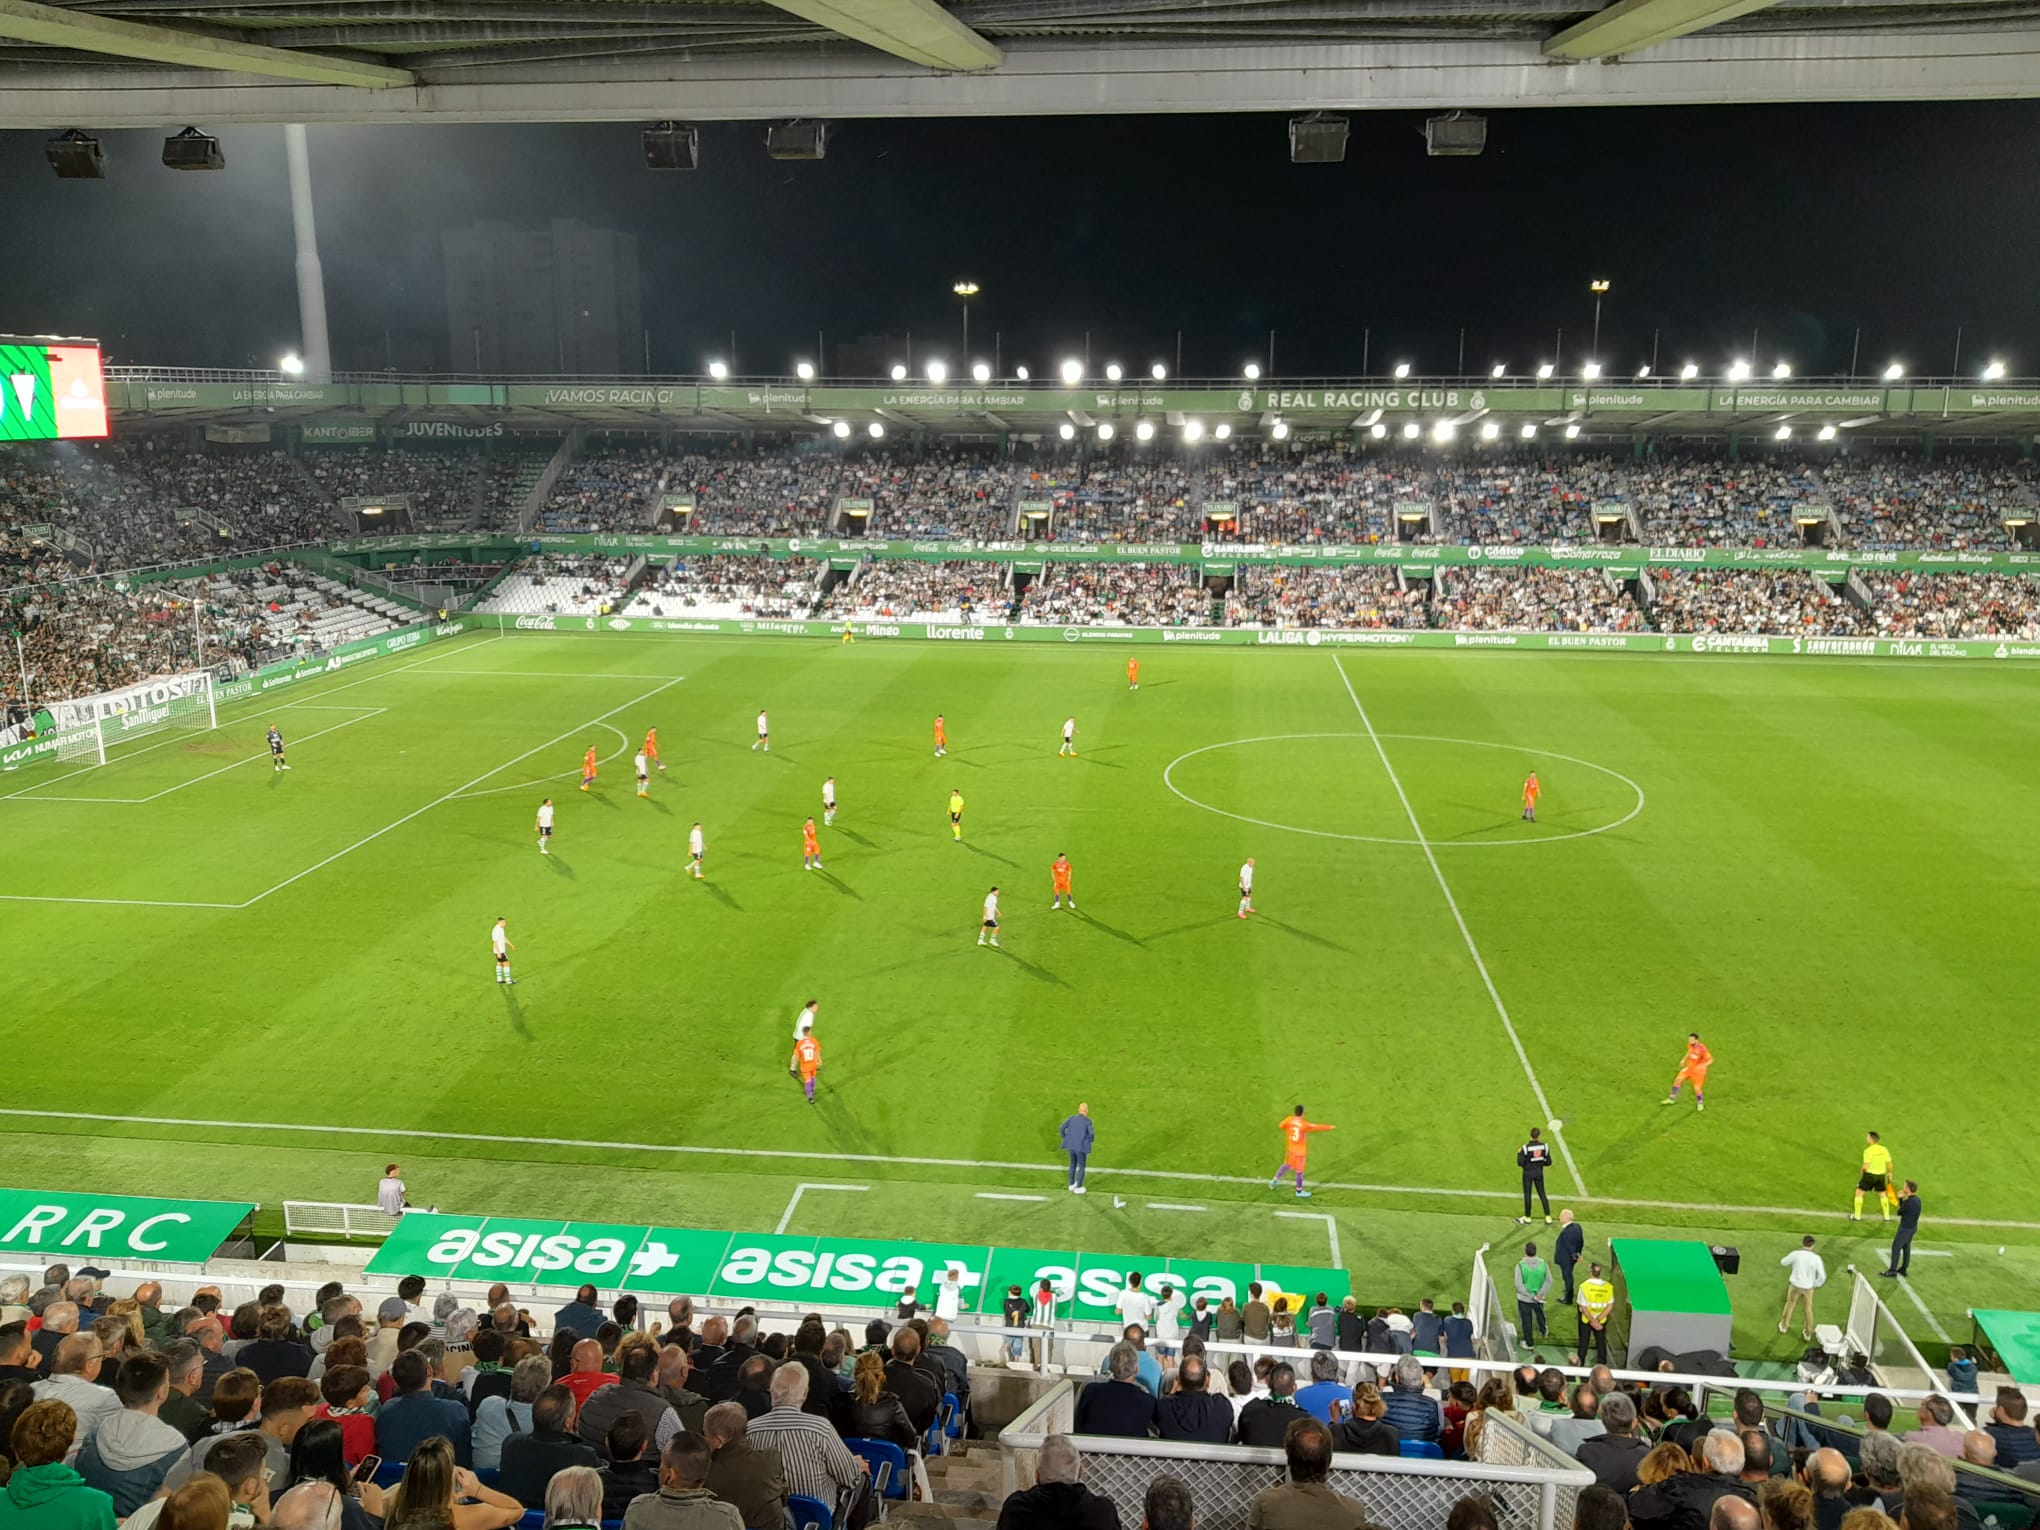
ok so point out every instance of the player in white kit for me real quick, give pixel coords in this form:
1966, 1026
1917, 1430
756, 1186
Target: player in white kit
644, 775
501, 944
829, 801
1247, 887
988, 933
804, 1022
695, 847
764, 734
1069, 743
545, 816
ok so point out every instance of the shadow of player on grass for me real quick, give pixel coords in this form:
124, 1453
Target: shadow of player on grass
515, 1010
1117, 934
1306, 935
976, 849
722, 895
839, 884
559, 865
1038, 973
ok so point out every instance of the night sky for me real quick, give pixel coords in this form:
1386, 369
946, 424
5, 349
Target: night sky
1804, 223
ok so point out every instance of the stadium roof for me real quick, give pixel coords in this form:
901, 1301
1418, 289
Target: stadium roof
1755, 410
127, 63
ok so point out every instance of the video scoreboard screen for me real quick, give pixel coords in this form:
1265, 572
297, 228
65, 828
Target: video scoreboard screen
50, 390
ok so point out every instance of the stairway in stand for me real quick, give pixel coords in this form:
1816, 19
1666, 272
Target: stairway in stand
966, 1484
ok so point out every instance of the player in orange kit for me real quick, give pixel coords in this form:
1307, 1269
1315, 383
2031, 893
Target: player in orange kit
1133, 674
588, 768
1059, 872
810, 848
806, 1063
1698, 1060
941, 737
1295, 1134
651, 750
1530, 791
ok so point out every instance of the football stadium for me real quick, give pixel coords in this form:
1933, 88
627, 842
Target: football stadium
1004, 942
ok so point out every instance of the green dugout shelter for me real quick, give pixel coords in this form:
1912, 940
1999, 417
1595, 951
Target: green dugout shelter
1669, 1296
2009, 1342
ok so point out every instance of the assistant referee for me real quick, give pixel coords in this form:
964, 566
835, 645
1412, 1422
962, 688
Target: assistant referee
1876, 1177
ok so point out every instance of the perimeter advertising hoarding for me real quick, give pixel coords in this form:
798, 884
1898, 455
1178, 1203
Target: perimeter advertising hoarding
50, 391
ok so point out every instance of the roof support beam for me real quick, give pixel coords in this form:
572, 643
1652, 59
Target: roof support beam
919, 31
52, 26
1628, 25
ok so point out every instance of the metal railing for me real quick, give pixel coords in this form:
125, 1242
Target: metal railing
1529, 1484
337, 1219
1876, 1334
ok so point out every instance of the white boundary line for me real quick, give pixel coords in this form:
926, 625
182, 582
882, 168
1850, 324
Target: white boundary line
541, 674
1173, 1206
1168, 773
786, 1216
1003, 1195
1932, 1322
421, 1134
367, 839
622, 745
1502, 1010
365, 713
1331, 1230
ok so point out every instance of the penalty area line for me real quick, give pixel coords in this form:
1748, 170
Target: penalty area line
801, 1189
1452, 904
427, 1134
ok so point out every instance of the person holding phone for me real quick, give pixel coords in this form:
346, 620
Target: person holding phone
318, 1454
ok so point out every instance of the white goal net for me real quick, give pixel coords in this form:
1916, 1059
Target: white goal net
93, 727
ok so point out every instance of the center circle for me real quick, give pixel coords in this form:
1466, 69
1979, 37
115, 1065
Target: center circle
1463, 792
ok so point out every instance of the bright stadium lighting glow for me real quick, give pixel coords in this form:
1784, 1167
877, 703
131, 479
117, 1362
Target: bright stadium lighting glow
1544, 371
899, 371
804, 370
1158, 372
1591, 371
842, 430
1572, 432
1498, 371
1782, 370
1402, 369
1894, 372
1251, 370
1144, 431
1411, 430
1784, 433
718, 370
1994, 371
1528, 432
1827, 432
1490, 430
1067, 431
1221, 432
938, 372
1444, 430
1738, 369
1378, 430
1279, 430
1021, 374
292, 365
1072, 372
1113, 372
1193, 430
1105, 432
981, 371
1643, 371
875, 430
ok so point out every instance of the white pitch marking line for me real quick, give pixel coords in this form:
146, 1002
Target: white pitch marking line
1932, 1322
539, 674
1173, 1206
786, 1216
995, 1195
1544, 1110
365, 714
448, 797
422, 1134
1331, 1230
1933, 1253
622, 744
113, 902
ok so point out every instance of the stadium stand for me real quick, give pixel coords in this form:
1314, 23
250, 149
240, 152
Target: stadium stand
1789, 602
611, 490
955, 590
1120, 595
1487, 598
1305, 596
729, 586
1953, 605
561, 586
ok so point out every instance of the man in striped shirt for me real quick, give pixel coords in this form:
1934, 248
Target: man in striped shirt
818, 1463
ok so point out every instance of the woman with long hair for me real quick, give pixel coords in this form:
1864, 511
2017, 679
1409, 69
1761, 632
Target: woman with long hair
319, 1454
436, 1494
562, 1352
1661, 1463
15, 1396
875, 1413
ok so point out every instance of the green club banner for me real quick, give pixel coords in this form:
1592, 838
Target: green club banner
768, 1269
54, 1225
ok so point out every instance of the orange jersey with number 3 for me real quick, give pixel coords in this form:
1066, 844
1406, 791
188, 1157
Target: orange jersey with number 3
1296, 1135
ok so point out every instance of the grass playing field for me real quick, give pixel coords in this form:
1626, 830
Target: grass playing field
1827, 868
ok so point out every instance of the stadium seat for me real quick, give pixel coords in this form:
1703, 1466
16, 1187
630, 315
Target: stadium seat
888, 1466
1422, 1450
951, 1418
534, 1519
389, 1474
488, 1476
2006, 1515
809, 1513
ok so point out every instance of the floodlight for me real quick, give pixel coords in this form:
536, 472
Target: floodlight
1113, 372
1402, 369
875, 430
1067, 431
899, 371
1994, 371
1591, 371
1251, 370
76, 157
1528, 432
1072, 372
1444, 430
1279, 430
718, 370
938, 372
1572, 432
292, 365
1499, 371
981, 371
804, 370
1544, 371
1781, 371
1411, 430
1893, 372
1689, 371
1490, 430
1642, 372
1105, 431
1193, 430
1827, 432
1738, 369
1158, 372
1377, 430
1020, 374
1221, 432
1784, 433
842, 430
1144, 431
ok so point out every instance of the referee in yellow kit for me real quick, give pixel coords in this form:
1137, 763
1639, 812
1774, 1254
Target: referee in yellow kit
1876, 1177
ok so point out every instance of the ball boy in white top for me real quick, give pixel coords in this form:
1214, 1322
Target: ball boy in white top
545, 817
764, 734
695, 847
644, 775
1069, 743
804, 1022
829, 801
988, 933
502, 945
1247, 888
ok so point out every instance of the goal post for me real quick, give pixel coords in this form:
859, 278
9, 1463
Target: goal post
92, 728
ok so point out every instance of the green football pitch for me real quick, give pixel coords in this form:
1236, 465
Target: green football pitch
230, 981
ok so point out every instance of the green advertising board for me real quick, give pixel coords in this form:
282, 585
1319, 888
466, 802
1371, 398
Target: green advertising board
53, 1225
774, 1269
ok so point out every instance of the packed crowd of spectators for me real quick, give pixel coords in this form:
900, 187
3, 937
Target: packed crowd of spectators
947, 495
1914, 505
955, 589
1710, 502
1356, 595
728, 585
1789, 602
1486, 597
1120, 595
609, 490
1145, 498
442, 485
1952, 605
